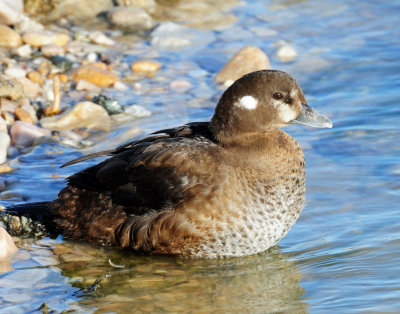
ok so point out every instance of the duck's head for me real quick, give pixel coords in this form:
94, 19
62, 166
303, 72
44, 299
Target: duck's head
260, 102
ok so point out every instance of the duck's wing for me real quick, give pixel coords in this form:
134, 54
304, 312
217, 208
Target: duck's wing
153, 172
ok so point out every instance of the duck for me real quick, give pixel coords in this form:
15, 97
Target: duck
229, 187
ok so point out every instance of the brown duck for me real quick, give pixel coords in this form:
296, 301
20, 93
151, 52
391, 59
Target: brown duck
233, 186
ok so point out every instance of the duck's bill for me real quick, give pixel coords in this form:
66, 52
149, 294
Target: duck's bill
310, 117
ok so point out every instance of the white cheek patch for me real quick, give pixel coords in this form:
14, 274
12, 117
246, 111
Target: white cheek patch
286, 113
247, 102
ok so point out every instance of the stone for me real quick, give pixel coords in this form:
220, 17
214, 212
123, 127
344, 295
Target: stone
246, 60
27, 107
111, 105
286, 53
24, 51
11, 88
137, 111
95, 75
4, 144
24, 134
35, 77
3, 125
83, 114
7, 245
130, 17
15, 71
61, 62
8, 117
101, 39
9, 38
39, 39
8, 105
23, 115
145, 66
84, 85
11, 11
50, 50
120, 86
62, 77
31, 89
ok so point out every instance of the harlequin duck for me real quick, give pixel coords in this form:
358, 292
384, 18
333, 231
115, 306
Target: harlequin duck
233, 186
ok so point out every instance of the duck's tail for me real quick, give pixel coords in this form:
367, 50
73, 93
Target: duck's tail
28, 220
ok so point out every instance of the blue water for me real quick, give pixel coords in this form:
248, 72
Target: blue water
343, 255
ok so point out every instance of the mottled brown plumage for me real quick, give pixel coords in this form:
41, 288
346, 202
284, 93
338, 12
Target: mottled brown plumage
230, 187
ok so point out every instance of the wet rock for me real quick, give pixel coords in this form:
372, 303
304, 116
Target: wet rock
84, 85
145, 66
95, 75
83, 114
11, 88
130, 17
24, 134
4, 144
120, 86
180, 86
3, 125
75, 47
101, 39
286, 53
39, 39
8, 105
246, 60
28, 108
50, 50
35, 77
172, 36
15, 71
10, 11
8, 117
23, 115
61, 62
111, 105
7, 246
24, 51
9, 38
61, 76
31, 89
137, 111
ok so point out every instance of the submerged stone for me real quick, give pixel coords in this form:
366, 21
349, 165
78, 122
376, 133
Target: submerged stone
111, 105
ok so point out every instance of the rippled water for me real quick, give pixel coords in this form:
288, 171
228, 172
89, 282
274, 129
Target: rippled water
343, 255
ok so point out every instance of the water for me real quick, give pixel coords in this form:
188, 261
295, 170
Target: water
343, 254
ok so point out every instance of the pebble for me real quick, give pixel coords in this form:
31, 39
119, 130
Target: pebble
61, 62
137, 111
9, 38
145, 66
111, 105
11, 88
10, 11
24, 51
4, 144
74, 47
95, 75
15, 71
84, 85
8, 117
130, 17
23, 115
120, 86
24, 134
31, 89
7, 246
35, 77
62, 77
286, 53
26, 106
180, 86
39, 39
83, 114
50, 50
3, 125
247, 59
101, 39
8, 105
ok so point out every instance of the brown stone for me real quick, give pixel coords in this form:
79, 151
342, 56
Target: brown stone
39, 39
145, 66
9, 38
11, 88
95, 75
35, 77
246, 60
23, 115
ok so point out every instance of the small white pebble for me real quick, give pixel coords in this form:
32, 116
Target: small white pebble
101, 39
286, 53
24, 51
180, 86
91, 57
15, 72
120, 86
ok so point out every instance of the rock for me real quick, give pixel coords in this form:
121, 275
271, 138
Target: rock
7, 246
8, 105
101, 39
8, 117
83, 114
3, 125
23, 115
120, 86
11, 11
9, 38
61, 62
39, 39
246, 60
130, 17
27, 24
35, 77
148, 5
180, 86
84, 85
24, 134
137, 111
145, 66
286, 53
24, 51
63, 77
75, 47
111, 105
50, 50
11, 88
26, 105
15, 71
4, 144
95, 75
31, 89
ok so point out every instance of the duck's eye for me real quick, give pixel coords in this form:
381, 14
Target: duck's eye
277, 95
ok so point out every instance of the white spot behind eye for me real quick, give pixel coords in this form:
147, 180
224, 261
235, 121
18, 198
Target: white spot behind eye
247, 102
